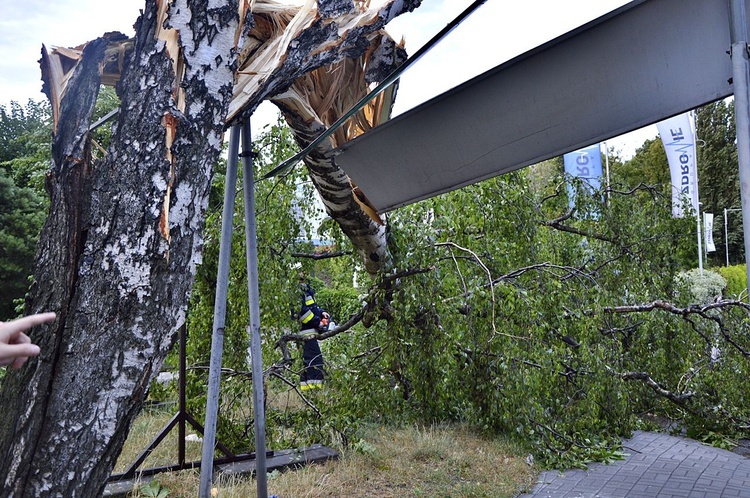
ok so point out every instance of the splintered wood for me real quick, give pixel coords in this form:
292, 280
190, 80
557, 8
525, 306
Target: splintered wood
279, 41
314, 60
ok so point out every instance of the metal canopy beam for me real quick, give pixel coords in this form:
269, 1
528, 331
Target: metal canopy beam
642, 63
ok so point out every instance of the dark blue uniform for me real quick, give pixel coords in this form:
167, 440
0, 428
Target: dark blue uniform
312, 320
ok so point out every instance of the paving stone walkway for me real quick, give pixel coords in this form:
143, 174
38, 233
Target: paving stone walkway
658, 466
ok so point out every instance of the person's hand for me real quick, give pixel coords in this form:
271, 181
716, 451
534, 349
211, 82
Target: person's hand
15, 346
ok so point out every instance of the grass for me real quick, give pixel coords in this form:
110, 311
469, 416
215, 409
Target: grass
439, 461
145, 428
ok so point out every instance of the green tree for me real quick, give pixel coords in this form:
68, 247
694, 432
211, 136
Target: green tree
20, 123
25, 136
504, 308
21, 217
649, 166
718, 176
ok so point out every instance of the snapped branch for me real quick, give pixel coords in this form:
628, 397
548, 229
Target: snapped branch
322, 255
698, 310
558, 224
679, 399
283, 342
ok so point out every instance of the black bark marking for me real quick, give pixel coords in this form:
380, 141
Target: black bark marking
334, 8
386, 58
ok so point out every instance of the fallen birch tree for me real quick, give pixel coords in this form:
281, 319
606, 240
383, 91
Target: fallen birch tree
118, 253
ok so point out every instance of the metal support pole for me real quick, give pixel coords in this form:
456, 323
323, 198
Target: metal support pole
700, 236
726, 236
220, 311
606, 162
253, 329
182, 397
741, 81
697, 195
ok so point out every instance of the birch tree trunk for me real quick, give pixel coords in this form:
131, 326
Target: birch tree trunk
117, 256
317, 100
337, 193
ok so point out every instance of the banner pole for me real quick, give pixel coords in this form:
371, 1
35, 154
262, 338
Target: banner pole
700, 244
606, 160
740, 78
726, 236
697, 196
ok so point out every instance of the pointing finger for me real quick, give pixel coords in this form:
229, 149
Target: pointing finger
27, 322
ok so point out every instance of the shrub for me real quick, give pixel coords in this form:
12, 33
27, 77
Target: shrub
736, 278
704, 285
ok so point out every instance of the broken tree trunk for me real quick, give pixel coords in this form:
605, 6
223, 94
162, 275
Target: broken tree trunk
319, 99
117, 256
118, 252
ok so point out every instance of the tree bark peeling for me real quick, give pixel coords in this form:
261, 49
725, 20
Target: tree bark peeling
122, 300
57, 260
319, 99
117, 257
308, 42
334, 8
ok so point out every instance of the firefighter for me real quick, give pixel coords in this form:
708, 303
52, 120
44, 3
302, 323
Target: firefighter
313, 320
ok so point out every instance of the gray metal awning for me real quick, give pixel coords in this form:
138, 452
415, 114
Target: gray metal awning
640, 64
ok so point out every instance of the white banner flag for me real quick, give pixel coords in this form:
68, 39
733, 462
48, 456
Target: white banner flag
679, 144
585, 164
708, 230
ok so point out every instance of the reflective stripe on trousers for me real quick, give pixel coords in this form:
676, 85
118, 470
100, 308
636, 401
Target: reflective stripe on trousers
310, 384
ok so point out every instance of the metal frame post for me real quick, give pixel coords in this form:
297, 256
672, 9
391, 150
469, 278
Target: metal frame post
694, 127
253, 329
740, 81
700, 235
220, 311
182, 397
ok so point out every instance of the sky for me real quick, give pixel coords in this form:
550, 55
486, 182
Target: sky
495, 33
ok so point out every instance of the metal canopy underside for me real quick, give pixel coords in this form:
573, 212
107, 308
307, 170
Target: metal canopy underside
640, 64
